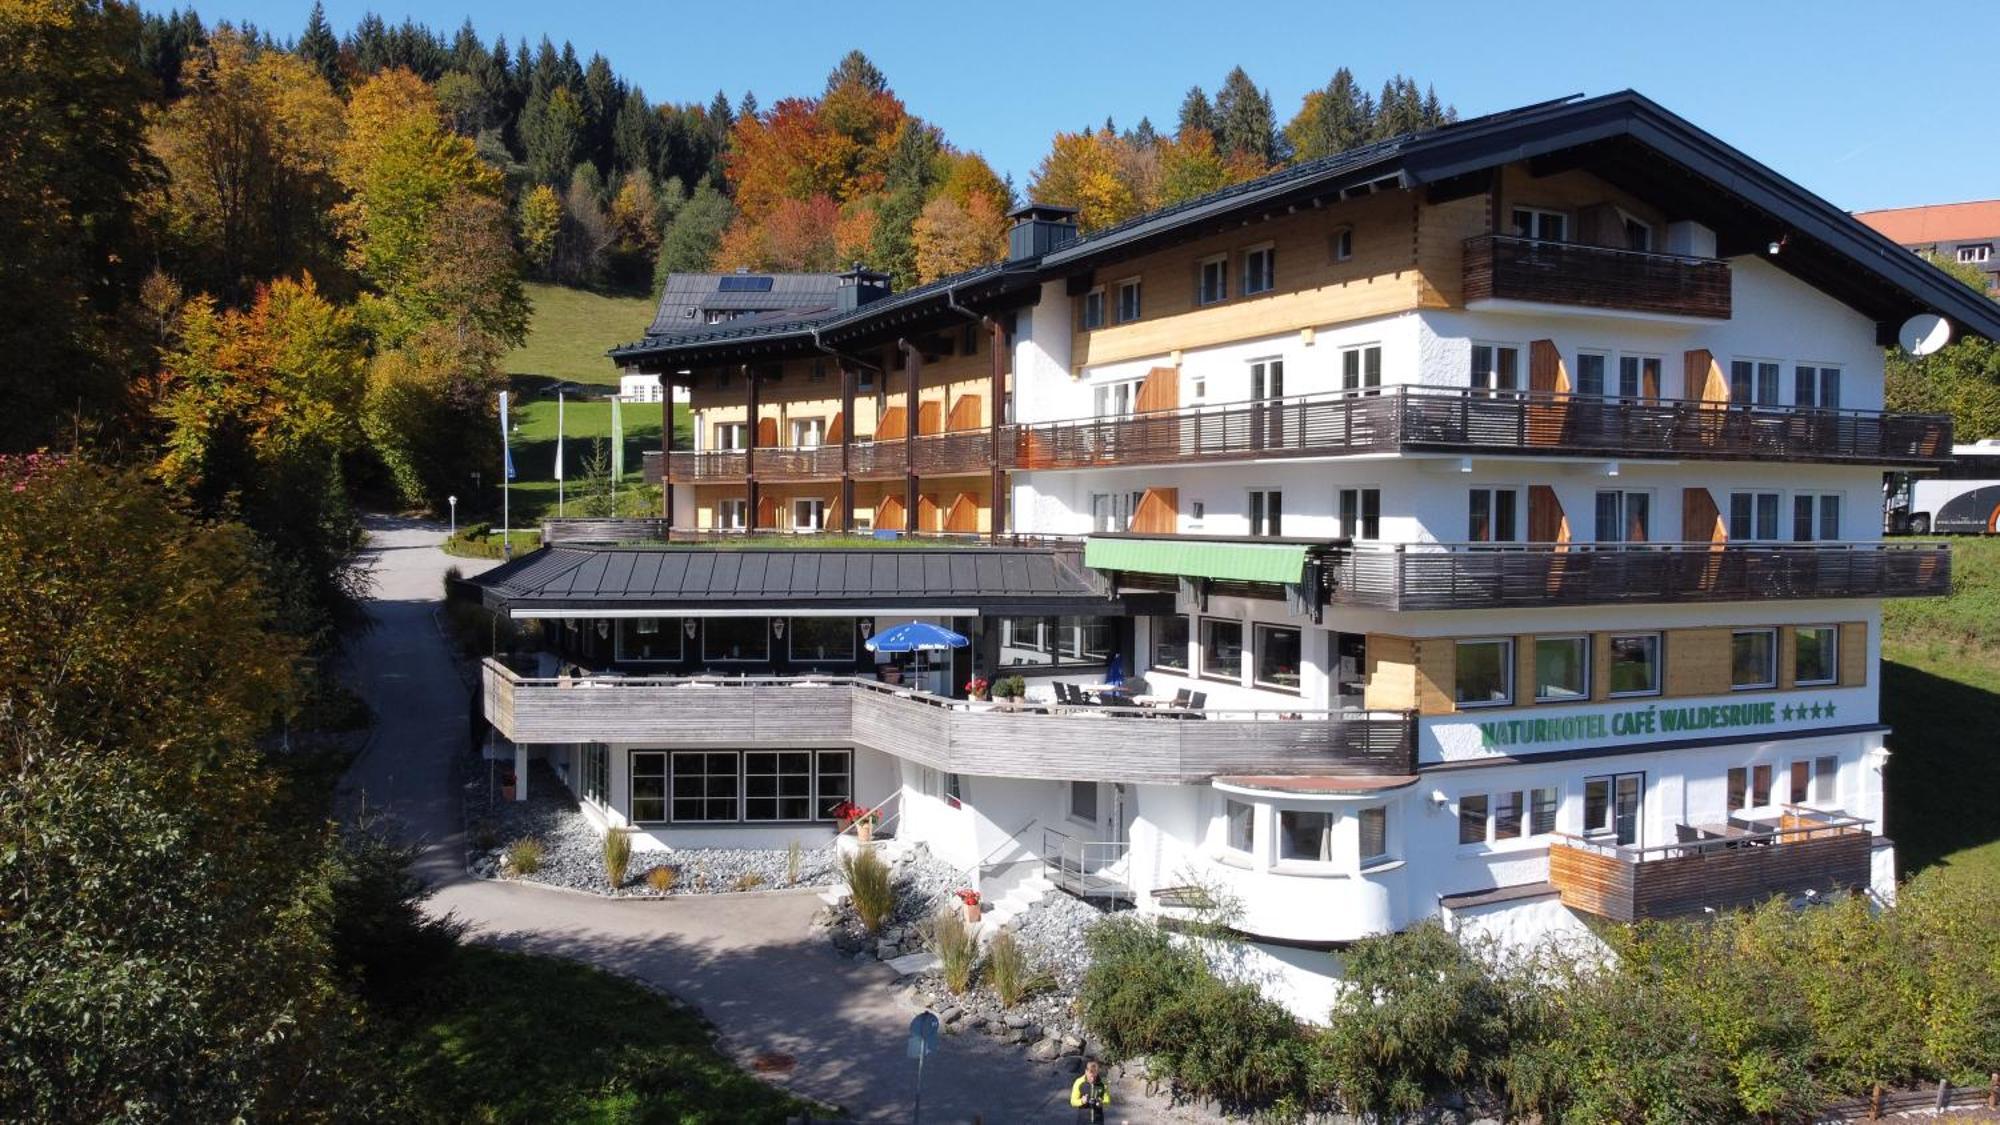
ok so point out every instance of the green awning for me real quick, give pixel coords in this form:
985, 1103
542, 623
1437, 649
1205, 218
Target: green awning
1242, 562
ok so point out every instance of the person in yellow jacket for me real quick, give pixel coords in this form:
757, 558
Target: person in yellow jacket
1090, 1095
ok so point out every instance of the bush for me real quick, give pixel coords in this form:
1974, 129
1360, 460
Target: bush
1009, 972
617, 856
524, 856
870, 888
380, 936
662, 879
748, 881
1010, 687
957, 949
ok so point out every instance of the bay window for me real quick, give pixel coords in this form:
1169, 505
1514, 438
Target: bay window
1305, 836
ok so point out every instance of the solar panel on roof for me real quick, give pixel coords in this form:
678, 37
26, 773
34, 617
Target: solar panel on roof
739, 283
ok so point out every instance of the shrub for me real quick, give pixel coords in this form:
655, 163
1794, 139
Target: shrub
793, 859
748, 881
870, 888
1008, 970
378, 931
953, 941
524, 856
617, 856
1010, 687
662, 879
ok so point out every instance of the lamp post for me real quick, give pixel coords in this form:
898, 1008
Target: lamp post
453, 501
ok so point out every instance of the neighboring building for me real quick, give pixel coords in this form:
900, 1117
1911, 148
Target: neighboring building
1496, 507
1967, 233
641, 388
694, 300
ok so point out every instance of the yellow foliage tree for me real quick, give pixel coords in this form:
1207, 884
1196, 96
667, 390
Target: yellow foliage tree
1082, 171
952, 239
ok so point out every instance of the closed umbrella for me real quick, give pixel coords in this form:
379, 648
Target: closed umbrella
1114, 672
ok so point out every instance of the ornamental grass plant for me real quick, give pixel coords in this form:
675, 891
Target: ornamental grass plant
524, 856
957, 949
870, 887
617, 856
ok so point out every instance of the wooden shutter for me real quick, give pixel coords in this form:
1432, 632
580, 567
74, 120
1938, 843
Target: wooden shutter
1158, 512
767, 512
964, 514
1545, 368
1853, 654
928, 516
1703, 379
1649, 382
767, 432
1700, 518
889, 514
1160, 391
966, 413
1635, 528
836, 429
893, 425
1547, 523
930, 417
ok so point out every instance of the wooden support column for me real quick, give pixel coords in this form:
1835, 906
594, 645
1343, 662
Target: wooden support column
996, 407
749, 447
846, 446
913, 372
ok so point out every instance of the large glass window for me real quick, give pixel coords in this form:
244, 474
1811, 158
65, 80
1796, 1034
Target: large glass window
649, 787
1484, 673
1754, 382
593, 783
1022, 641
1491, 516
1543, 226
1813, 655
1374, 834
1635, 664
1170, 643
1816, 517
1221, 648
1083, 801
1260, 270
1473, 809
705, 787
1306, 836
1590, 373
746, 639
1086, 640
1496, 367
1753, 658
1028, 641
1624, 517
1562, 669
821, 639
1277, 657
1361, 513
1239, 825
1638, 376
1361, 370
1611, 806
1816, 387
836, 782
1753, 515
649, 640
777, 785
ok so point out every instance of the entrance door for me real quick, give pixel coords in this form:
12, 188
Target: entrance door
1267, 388
1612, 804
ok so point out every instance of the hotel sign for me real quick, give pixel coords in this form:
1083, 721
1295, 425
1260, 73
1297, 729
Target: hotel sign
1654, 720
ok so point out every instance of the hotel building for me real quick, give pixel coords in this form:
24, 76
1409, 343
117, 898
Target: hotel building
1490, 515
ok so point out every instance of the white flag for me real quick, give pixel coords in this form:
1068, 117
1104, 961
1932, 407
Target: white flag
559, 434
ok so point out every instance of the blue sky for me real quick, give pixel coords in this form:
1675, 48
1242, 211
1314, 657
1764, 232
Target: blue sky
1856, 101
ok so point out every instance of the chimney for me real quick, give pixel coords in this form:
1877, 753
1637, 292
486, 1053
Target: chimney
1038, 229
860, 285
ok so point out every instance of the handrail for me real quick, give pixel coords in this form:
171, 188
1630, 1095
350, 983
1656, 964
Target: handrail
1824, 824
979, 864
896, 796
1775, 546
1557, 243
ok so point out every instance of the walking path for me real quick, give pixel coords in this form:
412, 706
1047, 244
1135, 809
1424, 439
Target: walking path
747, 961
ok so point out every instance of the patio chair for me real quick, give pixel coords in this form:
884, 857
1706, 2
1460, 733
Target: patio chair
1183, 697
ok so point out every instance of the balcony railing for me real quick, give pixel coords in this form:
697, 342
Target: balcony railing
708, 464
786, 463
1136, 745
1725, 866
1488, 575
1500, 267
960, 451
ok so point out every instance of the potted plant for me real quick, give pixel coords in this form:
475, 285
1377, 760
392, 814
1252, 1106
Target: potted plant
507, 784
970, 899
977, 687
863, 820
1011, 688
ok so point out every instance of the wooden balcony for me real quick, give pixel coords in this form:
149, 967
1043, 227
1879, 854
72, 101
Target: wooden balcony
1306, 426
877, 459
1806, 851
958, 452
685, 466
1113, 744
1504, 268
1485, 576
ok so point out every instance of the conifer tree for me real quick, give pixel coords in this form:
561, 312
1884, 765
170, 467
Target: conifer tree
321, 48
1245, 125
1197, 113
856, 68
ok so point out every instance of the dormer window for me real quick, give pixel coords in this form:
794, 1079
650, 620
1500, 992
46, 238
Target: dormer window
1975, 255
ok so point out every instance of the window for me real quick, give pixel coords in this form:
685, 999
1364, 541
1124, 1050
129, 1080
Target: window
1239, 822
1267, 512
818, 639
809, 515
1267, 380
1749, 788
1260, 270
1277, 664
649, 640
1826, 780
1055, 640
1815, 516
705, 786
777, 785
1638, 235
818, 371
1361, 370
1545, 226
1975, 254
1753, 382
1305, 836
1374, 834
1212, 280
746, 639
1115, 400
808, 433
1816, 388
1813, 652
732, 435
835, 782
732, 515
1542, 805
1496, 367
1760, 786
1221, 648
1753, 658
1507, 815
1112, 511
1624, 517
1484, 673
1093, 309
1170, 643
1473, 813
1638, 377
1361, 513
1562, 669
593, 782
1083, 801
1611, 806
1085, 640
1340, 244
1490, 516
1590, 373
1128, 301
954, 790
649, 788
1635, 664
1753, 515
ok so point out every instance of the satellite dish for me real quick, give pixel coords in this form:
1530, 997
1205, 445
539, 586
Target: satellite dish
1924, 333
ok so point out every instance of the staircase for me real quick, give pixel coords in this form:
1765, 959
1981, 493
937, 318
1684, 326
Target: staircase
1010, 892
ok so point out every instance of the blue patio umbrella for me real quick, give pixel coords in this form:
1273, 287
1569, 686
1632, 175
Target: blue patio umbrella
916, 636
1114, 671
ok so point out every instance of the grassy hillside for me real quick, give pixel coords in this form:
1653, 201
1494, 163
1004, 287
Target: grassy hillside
570, 331
1941, 693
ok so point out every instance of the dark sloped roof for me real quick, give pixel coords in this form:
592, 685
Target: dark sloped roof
738, 292
1001, 579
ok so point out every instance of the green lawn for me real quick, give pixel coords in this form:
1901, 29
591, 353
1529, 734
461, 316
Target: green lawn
534, 445
522, 1038
571, 329
1941, 693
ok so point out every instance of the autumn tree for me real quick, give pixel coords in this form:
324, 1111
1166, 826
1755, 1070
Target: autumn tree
952, 237
538, 220
1082, 171
690, 242
1332, 120
633, 222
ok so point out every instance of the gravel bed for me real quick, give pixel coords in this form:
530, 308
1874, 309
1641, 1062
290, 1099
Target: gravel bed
573, 851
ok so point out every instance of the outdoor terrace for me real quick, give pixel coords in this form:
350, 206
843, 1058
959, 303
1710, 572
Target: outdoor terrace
1506, 268
1734, 864
1123, 744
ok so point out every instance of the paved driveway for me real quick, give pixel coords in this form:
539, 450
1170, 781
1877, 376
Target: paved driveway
746, 961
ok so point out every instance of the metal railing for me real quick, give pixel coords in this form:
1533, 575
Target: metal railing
1505, 267
1086, 868
1800, 824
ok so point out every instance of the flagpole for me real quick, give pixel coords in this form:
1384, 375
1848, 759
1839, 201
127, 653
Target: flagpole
559, 451
506, 496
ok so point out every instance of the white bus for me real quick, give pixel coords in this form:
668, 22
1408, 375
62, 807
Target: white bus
1961, 498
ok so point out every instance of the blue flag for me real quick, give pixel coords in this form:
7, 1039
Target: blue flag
506, 451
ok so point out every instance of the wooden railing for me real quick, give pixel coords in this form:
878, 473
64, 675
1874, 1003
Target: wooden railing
1136, 745
1487, 575
787, 463
958, 452
1501, 267
1806, 851
644, 529
708, 464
